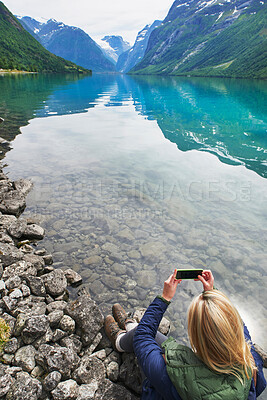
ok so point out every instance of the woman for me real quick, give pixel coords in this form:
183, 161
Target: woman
222, 363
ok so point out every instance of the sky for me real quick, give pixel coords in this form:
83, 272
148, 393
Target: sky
96, 17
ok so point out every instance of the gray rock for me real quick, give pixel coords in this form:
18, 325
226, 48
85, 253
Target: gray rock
152, 251
58, 335
60, 359
9, 254
73, 278
54, 317
7, 358
36, 285
17, 228
51, 380
40, 252
87, 392
13, 371
48, 259
35, 261
2, 286
56, 305
67, 390
31, 305
112, 391
90, 368
25, 358
23, 186
93, 260
113, 371
25, 290
6, 221
94, 344
25, 388
12, 202
11, 346
13, 282
55, 282
34, 327
130, 373
146, 278
34, 232
5, 238
72, 342
88, 317
37, 372
6, 381
20, 268
67, 324
113, 282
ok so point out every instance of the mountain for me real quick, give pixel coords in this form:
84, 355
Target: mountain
19, 50
130, 58
68, 42
209, 38
113, 46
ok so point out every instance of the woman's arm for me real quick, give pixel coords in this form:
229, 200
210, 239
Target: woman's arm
147, 351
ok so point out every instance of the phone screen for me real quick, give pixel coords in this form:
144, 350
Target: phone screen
188, 273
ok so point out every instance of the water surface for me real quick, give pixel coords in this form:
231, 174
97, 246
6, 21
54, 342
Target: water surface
135, 176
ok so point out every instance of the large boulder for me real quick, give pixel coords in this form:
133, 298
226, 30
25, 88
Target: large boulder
25, 388
55, 358
17, 228
12, 202
23, 186
9, 254
87, 316
55, 282
20, 268
33, 232
87, 391
34, 327
6, 381
25, 358
67, 390
51, 381
90, 368
112, 391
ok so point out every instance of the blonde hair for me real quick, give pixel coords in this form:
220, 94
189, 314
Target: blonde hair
216, 334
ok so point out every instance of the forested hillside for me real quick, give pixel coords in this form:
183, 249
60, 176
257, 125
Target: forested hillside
19, 50
209, 38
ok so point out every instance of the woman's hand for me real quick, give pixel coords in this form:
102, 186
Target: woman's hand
207, 279
170, 286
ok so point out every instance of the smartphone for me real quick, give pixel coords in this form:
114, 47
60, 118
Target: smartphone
188, 273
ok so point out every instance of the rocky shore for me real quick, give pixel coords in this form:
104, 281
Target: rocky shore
57, 348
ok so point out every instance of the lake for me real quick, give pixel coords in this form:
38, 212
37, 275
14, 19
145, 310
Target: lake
134, 176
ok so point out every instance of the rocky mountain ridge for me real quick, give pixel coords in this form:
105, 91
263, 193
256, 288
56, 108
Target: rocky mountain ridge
69, 42
113, 46
134, 55
219, 38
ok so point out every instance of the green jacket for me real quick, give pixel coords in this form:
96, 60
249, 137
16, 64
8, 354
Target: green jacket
193, 380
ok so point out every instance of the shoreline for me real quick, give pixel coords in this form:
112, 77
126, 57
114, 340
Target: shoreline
57, 348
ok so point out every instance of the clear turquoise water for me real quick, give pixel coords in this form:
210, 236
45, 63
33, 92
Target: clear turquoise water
147, 174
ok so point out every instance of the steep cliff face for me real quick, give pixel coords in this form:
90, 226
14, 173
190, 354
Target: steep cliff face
218, 38
134, 55
113, 46
69, 42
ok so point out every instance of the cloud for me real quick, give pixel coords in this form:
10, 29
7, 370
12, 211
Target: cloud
97, 18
